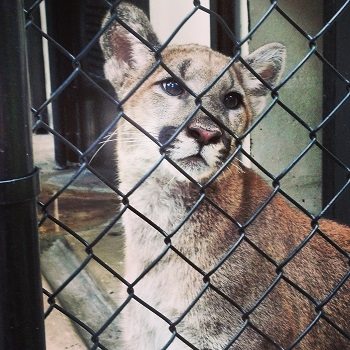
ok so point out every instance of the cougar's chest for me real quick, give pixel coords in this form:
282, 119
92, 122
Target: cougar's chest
147, 249
153, 215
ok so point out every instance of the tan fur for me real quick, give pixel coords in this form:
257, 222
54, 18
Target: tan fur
193, 262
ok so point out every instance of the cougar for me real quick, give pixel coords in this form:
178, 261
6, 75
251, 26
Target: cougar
215, 258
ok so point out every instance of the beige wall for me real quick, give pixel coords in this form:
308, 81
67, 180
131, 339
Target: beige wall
166, 15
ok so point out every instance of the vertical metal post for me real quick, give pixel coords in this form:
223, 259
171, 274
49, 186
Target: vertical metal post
80, 113
336, 43
21, 314
36, 67
219, 39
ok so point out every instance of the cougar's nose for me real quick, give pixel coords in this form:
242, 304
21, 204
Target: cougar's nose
204, 136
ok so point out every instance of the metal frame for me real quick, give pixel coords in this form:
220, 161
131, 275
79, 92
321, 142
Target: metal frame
336, 134
21, 311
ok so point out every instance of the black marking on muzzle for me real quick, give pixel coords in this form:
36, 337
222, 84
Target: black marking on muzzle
226, 140
166, 133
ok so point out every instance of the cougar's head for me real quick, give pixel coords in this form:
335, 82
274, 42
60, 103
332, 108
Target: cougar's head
191, 102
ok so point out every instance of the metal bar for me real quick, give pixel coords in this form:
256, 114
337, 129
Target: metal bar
219, 39
65, 108
336, 132
21, 311
36, 68
81, 112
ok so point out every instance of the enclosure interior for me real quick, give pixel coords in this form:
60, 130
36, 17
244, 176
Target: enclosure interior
301, 142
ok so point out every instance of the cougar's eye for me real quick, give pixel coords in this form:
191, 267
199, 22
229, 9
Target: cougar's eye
172, 87
233, 100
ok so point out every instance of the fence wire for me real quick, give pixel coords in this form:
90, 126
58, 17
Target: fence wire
85, 155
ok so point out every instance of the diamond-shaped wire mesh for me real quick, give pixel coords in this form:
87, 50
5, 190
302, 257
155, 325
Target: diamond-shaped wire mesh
257, 315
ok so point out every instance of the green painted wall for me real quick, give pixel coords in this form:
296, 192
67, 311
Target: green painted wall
279, 138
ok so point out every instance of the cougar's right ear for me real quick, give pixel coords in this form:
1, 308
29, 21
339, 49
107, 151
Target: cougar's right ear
123, 51
268, 62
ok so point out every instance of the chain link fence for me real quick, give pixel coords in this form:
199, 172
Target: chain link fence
81, 205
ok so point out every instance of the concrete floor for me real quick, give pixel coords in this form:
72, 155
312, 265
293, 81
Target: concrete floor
86, 207
59, 331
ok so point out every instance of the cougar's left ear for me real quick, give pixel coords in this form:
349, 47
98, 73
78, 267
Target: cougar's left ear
268, 62
123, 51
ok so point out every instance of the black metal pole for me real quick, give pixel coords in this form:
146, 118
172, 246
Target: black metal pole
21, 312
219, 39
36, 67
336, 43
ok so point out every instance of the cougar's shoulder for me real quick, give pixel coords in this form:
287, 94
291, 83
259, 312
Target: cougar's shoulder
337, 232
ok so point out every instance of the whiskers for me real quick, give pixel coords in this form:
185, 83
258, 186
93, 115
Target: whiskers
111, 137
167, 185
236, 163
128, 138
